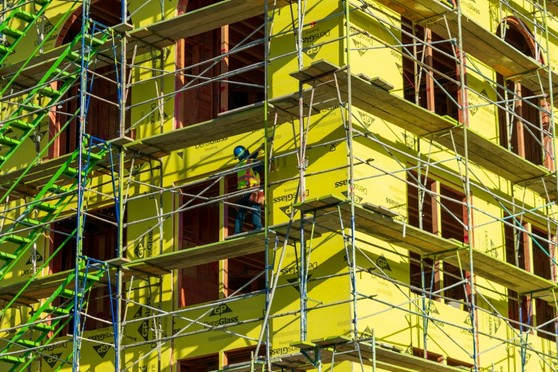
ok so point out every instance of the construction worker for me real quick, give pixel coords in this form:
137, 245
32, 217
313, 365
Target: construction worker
247, 178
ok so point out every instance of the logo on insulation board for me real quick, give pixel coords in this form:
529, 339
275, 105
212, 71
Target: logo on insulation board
52, 359
358, 199
361, 48
223, 319
295, 280
144, 328
383, 263
366, 119
102, 350
367, 333
494, 323
220, 310
431, 308
38, 258
47, 28
287, 209
145, 246
527, 355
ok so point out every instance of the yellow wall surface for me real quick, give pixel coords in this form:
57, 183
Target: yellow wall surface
379, 179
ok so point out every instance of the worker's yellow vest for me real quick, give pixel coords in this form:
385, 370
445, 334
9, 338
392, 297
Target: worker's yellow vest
247, 178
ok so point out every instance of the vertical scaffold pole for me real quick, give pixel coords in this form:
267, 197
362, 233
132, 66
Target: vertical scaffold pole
302, 173
267, 256
122, 94
349, 133
76, 334
467, 186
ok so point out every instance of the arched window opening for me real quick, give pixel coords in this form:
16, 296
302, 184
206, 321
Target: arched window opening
430, 71
103, 113
524, 127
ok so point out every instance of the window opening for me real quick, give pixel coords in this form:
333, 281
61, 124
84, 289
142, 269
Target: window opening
446, 215
421, 214
523, 126
200, 364
199, 225
453, 214
245, 274
103, 116
241, 356
429, 269
544, 313
100, 242
231, 186
432, 83
212, 82
516, 255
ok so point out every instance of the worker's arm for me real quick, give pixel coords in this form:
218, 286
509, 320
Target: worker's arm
256, 152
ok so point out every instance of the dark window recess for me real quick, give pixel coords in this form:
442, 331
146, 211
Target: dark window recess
200, 364
424, 272
103, 116
241, 356
424, 197
452, 276
421, 270
515, 255
99, 239
99, 242
520, 120
245, 274
453, 214
453, 218
546, 324
438, 66
192, 5
542, 267
518, 310
541, 253
515, 247
203, 96
200, 219
199, 225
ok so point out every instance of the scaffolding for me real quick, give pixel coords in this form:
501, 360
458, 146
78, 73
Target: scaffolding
408, 166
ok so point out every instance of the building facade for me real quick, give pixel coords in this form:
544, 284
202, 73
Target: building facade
406, 151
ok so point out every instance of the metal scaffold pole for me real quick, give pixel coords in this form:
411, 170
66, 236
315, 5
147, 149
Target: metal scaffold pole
348, 121
118, 300
268, 254
80, 216
302, 274
467, 186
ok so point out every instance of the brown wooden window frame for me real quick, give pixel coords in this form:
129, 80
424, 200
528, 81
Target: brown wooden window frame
440, 215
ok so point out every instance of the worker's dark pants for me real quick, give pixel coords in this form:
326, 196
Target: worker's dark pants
241, 214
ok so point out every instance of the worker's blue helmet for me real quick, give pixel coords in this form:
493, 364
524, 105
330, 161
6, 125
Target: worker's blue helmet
240, 152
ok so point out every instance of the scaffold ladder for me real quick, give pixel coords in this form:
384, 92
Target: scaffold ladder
49, 202
16, 25
52, 316
28, 115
